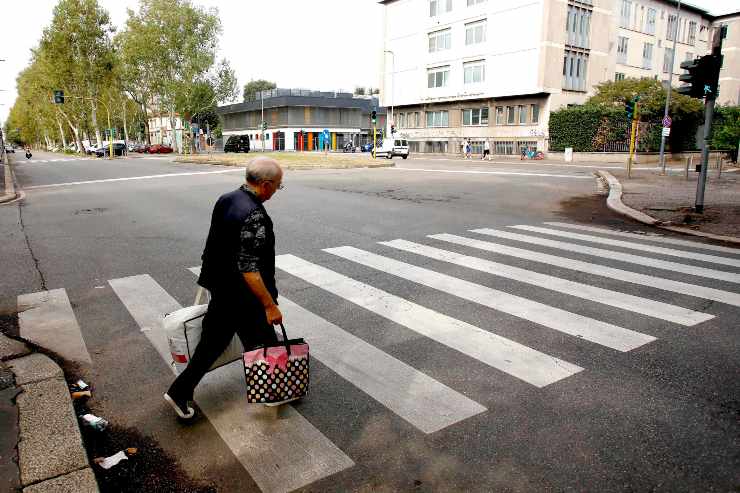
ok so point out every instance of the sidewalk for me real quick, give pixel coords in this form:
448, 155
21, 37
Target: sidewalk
671, 198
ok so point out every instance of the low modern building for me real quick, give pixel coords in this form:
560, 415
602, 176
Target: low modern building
492, 70
296, 119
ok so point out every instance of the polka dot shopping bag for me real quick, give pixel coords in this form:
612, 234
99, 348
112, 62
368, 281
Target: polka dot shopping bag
278, 372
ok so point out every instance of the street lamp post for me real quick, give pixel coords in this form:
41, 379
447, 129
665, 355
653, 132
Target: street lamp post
668, 88
393, 85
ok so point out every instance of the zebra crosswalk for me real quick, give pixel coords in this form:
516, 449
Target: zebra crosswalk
292, 452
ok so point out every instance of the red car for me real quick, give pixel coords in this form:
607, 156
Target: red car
160, 149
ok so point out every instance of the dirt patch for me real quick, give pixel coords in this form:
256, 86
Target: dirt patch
292, 160
592, 209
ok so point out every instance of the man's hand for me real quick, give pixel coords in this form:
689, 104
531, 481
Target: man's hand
274, 317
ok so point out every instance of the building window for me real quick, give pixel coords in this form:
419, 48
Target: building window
535, 113
575, 68
475, 32
511, 115
499, 115
474, 2
667, 58
437, 119
647, 55
475, 116
437, 7
622, 45
578, 26
671, 28
625, 14
618, 76
474, 72
402, 120
522, 114
692, 33
440, 40
650, 27
417, 123
438, 77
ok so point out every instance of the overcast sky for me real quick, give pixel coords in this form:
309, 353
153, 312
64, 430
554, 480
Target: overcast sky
324, 44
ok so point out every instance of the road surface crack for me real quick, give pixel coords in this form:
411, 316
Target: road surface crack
30, 248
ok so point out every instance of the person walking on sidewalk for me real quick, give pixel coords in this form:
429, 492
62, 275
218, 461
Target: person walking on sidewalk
486, 150
239, 272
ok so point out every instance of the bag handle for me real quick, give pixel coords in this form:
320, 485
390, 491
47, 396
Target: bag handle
285, 340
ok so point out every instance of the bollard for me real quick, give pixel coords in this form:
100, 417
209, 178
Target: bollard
719, 172
688, 164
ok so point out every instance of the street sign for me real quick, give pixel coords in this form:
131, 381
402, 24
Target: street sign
666, 131
667, 121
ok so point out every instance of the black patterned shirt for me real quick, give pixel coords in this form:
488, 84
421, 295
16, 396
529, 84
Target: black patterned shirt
254, 236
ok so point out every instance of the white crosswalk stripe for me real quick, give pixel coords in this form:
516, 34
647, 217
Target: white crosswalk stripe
614, 255
280, 454
632, 246
704, 292
520, 361
648, 237
644, 306
422, 401
592, 330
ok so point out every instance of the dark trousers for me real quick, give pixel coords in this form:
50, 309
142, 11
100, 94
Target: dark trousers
226, 315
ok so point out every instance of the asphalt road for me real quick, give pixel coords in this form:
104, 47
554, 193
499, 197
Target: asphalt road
623, 379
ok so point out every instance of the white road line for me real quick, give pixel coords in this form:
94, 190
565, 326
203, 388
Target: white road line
424, 402
281, 454
419, 399
477, 172
643, 306
614, 255
510, 357
649, 237
596, 269
47, 319
632, 246
603, 333
147, 177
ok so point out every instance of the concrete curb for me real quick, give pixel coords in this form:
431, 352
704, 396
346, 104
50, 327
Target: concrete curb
51, 454
10, 193
614, 202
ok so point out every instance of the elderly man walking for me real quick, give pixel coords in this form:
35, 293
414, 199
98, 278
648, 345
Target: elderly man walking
239, 272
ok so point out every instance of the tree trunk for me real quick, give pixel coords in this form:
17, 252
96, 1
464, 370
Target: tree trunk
125, 127
146, 124
75, 130
94, 118
174, 137
61, 133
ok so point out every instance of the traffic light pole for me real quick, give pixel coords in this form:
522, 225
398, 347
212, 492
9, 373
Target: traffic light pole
701, 184
633, 133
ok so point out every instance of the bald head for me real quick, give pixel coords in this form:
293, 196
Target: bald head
262, 169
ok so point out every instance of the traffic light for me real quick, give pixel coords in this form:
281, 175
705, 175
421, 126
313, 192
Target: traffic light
264, 125
374, 117
701, 77
58, 97
393, 129
629, 107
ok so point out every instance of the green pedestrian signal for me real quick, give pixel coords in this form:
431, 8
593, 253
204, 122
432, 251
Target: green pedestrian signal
374, 117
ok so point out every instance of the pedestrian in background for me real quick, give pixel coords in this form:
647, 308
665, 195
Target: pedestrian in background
239, 272
486, 150
468, 150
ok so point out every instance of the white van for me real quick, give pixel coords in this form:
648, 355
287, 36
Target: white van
393, 147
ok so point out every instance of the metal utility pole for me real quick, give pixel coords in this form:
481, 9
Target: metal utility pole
668, 88
711, 95
262, 123
393, 88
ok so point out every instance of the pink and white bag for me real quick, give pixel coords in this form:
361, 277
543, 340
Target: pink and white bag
278, 372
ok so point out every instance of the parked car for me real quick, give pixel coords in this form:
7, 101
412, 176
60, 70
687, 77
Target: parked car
367, 147
118, 150
141, 148
237, 143
91, 149
160, 149
9, 148
394, 147
131, 147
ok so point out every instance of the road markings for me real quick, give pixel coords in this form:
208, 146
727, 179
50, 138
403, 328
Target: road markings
614, 255
649, 237
146, 177
47, 319
422, 401
643, 306
592, 330
478, 172
281, 454
520, 361
596, 269
632, 246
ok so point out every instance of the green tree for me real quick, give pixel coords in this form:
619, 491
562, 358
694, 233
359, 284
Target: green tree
726, 129
252, 87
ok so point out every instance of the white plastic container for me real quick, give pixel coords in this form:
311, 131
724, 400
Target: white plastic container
183, 328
